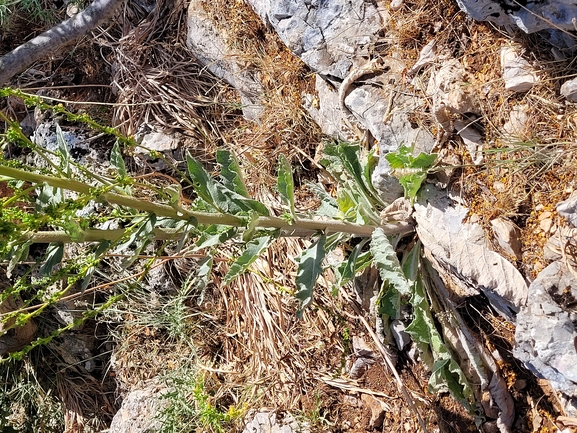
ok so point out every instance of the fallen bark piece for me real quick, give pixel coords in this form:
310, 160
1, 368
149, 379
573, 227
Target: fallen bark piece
462, 249
61, 35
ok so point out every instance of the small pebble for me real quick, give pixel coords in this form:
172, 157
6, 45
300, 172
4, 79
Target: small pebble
546, 225
545, 215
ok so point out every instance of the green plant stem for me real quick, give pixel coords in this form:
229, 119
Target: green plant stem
299, 226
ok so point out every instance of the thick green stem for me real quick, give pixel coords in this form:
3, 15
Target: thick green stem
300, 226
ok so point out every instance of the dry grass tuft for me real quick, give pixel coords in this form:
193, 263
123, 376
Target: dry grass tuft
157, 82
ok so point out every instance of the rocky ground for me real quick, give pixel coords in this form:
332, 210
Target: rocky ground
496, 217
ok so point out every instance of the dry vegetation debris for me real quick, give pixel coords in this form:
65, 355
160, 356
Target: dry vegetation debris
253, 350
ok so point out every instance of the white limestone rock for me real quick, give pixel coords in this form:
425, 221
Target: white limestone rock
139, 410
535, 16
518, 73
545, 334
209, 48
508, 236
569, 90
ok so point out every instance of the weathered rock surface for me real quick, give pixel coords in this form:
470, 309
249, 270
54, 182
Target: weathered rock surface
208, 46
518, 74
569, 90
568, 209
267, 422
545, 334
327, 36
461, 248
139, 410
534, 16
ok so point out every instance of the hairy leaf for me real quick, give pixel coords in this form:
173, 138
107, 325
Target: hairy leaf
309, 270
410, 170
252, 251
355, 263
219, 196
328, 207
446, 375
53, 256
63, 151
385, 258
117, 160
285, 183
230, 172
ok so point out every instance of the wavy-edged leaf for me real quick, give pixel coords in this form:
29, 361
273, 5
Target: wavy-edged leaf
141, 236
285, 183
350, 157
53, 256
328, 207
252, 251
446, 374
395, 284
230, 172
63, 151
309, 270
117, 160
219, 196
214, 235
355, 263
410, 170
385, 258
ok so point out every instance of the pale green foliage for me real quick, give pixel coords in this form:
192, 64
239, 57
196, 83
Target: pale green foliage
252, 251
286, 185
309, 270
410, 170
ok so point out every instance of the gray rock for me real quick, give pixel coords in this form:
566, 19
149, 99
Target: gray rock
209, 48
462, 250
556, 14
518, 74
508, 236
569, 90
139, 410
568, 209
322, 109
545, 334
267, 422
388, 187
326, 35
158, 141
